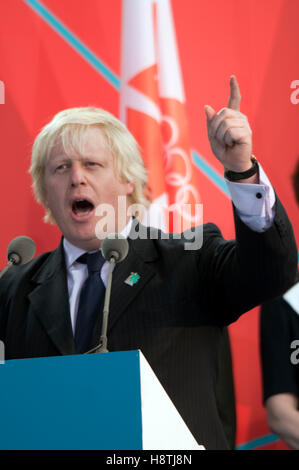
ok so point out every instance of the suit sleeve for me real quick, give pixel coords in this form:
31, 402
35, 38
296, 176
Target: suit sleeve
3, 306
241, 274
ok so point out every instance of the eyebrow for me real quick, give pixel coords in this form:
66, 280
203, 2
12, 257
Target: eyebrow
67, 159
59, 159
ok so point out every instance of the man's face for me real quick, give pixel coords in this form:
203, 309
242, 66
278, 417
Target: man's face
76, 184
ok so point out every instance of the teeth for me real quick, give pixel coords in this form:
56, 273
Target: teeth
82, 213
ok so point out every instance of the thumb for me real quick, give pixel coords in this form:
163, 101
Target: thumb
210, 112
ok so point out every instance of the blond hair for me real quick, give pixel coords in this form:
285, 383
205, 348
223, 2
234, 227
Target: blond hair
69, 125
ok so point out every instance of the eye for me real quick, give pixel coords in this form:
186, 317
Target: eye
93, 164
63, 166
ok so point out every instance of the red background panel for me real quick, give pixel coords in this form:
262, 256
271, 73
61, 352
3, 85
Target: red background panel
257, 40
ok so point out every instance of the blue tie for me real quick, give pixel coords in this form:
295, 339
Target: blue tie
91, 297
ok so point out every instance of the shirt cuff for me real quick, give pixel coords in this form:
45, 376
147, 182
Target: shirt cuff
254, 202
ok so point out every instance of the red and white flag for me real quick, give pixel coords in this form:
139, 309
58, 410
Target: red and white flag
153, 108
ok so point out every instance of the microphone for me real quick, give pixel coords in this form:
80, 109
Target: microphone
115, 246
21, 250
114, 249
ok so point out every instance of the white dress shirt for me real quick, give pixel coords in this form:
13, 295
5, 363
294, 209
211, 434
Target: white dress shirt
254, 204
77, 273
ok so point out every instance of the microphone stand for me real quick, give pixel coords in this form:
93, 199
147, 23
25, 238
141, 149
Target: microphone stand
14, 259
102, 346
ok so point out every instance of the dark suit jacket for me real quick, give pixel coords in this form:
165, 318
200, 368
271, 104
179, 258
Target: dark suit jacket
175, 313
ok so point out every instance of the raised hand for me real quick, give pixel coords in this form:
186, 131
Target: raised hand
229, 132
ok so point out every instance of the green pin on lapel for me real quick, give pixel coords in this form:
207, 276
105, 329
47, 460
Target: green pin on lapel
132, 279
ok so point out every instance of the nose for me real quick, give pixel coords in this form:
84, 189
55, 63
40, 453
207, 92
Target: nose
77, 174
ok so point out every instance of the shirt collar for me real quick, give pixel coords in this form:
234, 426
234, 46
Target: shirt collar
72, 252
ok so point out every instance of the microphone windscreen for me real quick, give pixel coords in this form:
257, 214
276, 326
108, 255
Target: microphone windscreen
21, 250
115, 243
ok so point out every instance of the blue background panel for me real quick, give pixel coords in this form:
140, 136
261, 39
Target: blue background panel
71, 402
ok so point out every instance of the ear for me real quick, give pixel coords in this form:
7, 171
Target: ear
45, 202
130, 187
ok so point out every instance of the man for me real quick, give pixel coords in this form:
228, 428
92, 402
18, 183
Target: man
176, 311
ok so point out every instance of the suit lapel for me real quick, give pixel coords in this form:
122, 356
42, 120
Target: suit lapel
123, 294
142, 252
49, 301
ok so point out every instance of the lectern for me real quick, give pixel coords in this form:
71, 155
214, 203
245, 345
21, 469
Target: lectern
109, 401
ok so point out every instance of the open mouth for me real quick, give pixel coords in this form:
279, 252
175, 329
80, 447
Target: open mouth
82, 207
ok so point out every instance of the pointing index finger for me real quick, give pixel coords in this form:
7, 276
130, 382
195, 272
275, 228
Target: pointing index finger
235, 95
